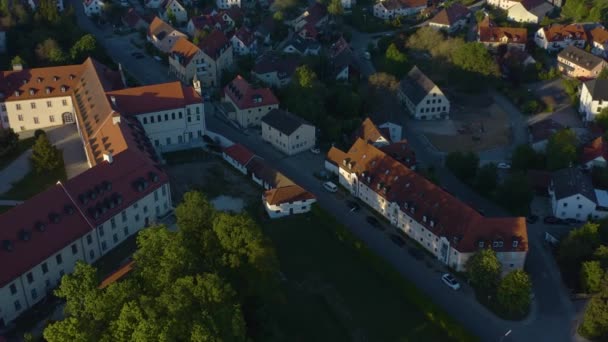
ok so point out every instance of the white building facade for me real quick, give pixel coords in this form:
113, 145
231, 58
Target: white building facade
593, 98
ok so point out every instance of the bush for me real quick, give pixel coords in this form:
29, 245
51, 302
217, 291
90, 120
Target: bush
8, 141
38, 133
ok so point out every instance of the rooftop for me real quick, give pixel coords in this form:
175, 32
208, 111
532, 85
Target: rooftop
244, 95
283, 121
183, 51
449, 16
597, 148
239, 153
154, 98
572, 181
558, 32
214, 44
598, 89
580, 57
416, 85
287, 194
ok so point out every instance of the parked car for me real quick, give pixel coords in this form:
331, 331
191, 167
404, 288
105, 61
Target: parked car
552, 220
397, 240
531, 219
450, 281
315, 150
374, 222
329, 186
504, 166
353, 205
416, 253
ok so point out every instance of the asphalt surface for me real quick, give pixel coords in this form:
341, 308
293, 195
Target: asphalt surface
553, 315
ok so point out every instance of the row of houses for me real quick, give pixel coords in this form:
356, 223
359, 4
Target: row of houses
125, 188
281, 197
446, 227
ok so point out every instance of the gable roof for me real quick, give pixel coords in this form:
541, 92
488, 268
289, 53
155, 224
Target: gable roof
245, 35
215, 44
183, 51
132, 18
154, 98
282, 121
284, 66
581, 58
369, 132
244, 95
460, 224
416, 85
239, 153
594, 149
558, 32
599, 35
598, 89
489, 33
287, 194
449, 16
159, 28
264, 171
572, 181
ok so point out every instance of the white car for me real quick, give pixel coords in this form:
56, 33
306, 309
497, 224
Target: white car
315, 150
505, 166
450, 281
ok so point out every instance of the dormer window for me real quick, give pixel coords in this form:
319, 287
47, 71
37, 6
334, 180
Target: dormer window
515, 243
424, 218
481, 244
497, 244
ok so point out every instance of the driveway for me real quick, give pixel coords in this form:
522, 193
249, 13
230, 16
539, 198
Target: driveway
552, 318
67, 139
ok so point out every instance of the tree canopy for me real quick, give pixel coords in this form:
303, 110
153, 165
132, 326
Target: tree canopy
83, 48
483, 270
561, 149
474, 57
487, 179
578, 246
195, 284
8, 140
525, 158
513, 293
595, 320
515, 193
462, 164
45, 156
335, 7
591, 276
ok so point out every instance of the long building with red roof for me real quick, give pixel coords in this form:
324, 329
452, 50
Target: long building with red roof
445, 226
124, 190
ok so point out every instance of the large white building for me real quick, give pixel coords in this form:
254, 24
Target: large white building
593, 98
391, 9
124, 190
557, 37
573, 196
287, 132
449, 229
423, 98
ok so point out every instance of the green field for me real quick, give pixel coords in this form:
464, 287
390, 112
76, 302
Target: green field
337, 290
33, 183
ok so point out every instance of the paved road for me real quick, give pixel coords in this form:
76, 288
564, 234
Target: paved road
14, 171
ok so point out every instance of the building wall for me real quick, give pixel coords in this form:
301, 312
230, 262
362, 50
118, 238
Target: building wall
433, 106
186, 73
587, 106
96, 7
504, 4
520, 14
272, 79
541, 41
599, 49
496, 44
240, 49
577, 206
301, 140
25, 115
225, 4
286, 209
249, 117
176, 126
90, 247
211, 70
576, 71
450, 28
181, 16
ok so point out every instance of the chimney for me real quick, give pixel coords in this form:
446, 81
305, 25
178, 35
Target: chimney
17, 67
107, 156
115, 118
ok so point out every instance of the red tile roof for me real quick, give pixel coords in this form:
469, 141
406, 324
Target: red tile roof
463, 226
132, 19
369, 132
245, 35
599, 35
558, 32
245, 96
449, 16
493, 34
595, 149
39, 82
401, 152
239, 153
205, 21
215, 44
184, 51
154, 98
287, 194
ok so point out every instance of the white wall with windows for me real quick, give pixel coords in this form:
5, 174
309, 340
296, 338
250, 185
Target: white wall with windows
175, 126
38, 113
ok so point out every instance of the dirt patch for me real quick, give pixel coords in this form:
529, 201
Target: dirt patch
477, 129
214, 178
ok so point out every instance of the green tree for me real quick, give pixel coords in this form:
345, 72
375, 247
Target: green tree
591, 276
47, 10
515, 193
513, 293
561, 149
595, 320
8, 141
335, 8
487, 179
603, 74
463, 165
396, 61
525, 158
83, 48
171, 17
602, 118
49, 51
46, 157
483, 271
17, 60
577, 247
305, 77
601, 255
474, 57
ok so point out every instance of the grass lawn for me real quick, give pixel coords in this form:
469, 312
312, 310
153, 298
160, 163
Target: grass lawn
185, 156
338, 290
22, 146
33, 183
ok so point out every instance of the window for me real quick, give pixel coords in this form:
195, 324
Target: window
188, 111
166, 117
101, 232
47, 283
198, 110
158, 117
145, 120
152, 119
113, 222
17, 305
145, 209
30, 278
580, 206
157, 211
64, 102
164, 190
104, 246
45, 268
135, 205
136, 218
59, 259
89, 239
51, 118
36, 121
180, 114
92, 254
49, 104
33, 105
172, 116
124, 216
126, 231
198, 118
115, 238
156, 195
13, 289
169, 141
74, 249
565, 205
34, 294
20, 117
189, 119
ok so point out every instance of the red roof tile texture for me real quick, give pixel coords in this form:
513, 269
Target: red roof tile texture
595, 149
215, 44
154, 98
463, 226
490, 33
245, 96
239, 153
183, 50
287, 194
558, 32
449, 16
